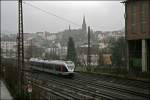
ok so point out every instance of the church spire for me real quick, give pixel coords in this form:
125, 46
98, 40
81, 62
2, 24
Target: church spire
84, 20
84, 25
69, 28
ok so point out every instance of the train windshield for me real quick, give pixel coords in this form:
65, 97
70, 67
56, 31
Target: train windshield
69, 62
70, 65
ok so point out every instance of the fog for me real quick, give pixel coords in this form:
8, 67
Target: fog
100, 15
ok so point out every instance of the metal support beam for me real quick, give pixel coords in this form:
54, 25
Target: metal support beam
89, 51
0, 57
20, 42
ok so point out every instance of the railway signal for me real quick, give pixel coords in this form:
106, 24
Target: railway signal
29, 88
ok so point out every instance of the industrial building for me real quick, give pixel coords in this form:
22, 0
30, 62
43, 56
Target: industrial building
137, 33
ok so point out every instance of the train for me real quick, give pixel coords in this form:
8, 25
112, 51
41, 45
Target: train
59, 67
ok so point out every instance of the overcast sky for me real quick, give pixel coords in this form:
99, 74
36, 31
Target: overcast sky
100, 15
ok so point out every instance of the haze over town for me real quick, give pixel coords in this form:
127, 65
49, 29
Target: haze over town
75, 50
100, 15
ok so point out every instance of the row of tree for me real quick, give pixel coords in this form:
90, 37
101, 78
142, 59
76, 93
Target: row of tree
117, 48
34, 51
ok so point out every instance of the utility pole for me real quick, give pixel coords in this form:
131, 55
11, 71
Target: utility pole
20, 41
88, 52
31, 49
6, 48
0, 59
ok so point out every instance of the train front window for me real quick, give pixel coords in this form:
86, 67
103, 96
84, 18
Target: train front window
69, 62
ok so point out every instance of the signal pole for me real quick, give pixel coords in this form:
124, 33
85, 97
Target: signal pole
88, 52
0, 57
20, 51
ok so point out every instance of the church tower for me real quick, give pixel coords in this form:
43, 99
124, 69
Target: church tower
84, 25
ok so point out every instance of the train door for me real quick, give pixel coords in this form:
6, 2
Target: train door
61, 68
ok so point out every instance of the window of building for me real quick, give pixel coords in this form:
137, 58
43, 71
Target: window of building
133, 17
143, 21
133, 23
143, 25
133, 7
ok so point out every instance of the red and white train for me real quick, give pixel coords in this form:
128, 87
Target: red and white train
53, 66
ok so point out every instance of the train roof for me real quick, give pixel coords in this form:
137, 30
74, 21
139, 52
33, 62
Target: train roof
49, 61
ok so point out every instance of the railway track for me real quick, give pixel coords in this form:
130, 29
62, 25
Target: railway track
133, 83
111, 85
52, 88
91, 87
77, 93
109, 89
87, 88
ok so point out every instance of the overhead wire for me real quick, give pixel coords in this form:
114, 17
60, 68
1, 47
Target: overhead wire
52, 14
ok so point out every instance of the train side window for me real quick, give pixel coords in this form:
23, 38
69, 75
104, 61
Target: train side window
50, 66
35, 64
44, 65
39, 64
53, 66
47, 66
57, 67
